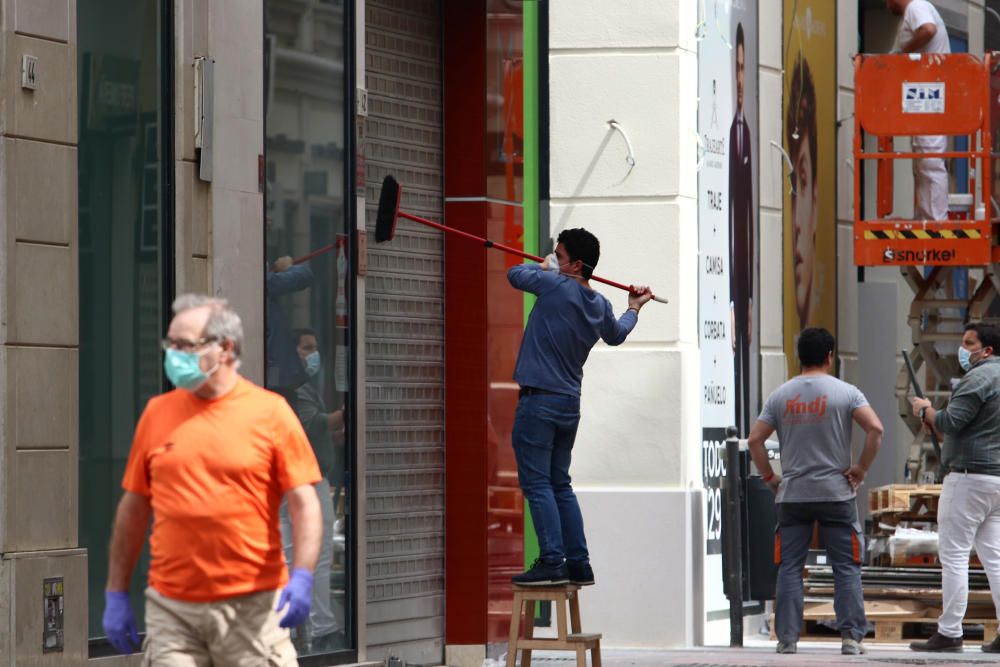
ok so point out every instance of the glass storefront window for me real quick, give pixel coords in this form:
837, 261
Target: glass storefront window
122, 259
505, 99
308, 281
505, 310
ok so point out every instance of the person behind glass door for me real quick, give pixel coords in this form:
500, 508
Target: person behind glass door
326, 435
210, 462
285, 373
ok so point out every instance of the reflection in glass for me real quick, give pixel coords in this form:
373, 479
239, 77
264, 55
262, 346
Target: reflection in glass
307, 280
505, 306
505, 99
121, 261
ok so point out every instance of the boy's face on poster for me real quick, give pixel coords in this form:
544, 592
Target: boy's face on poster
804, 220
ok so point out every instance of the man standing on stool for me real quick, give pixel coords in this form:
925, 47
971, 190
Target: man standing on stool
812, 414
564, 325
969, 508
923, 31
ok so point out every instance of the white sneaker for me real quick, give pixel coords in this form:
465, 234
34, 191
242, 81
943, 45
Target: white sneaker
849, 646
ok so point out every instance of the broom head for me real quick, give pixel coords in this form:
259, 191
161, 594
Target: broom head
388, 210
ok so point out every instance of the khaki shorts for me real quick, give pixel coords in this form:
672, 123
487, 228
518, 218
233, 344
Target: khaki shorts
238, 632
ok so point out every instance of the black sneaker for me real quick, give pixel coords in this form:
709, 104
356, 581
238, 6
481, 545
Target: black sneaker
993, 646
580, 574
938, 643
543, 574
787, 647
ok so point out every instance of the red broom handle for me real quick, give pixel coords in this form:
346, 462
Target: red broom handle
508, 249
314, 253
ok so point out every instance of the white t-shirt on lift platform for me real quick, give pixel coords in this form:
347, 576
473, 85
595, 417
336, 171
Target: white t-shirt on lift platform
918, 13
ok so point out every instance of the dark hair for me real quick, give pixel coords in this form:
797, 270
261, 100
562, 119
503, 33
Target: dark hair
987, 334
581, 244
739, 40
801, 114
815, 344
297, 334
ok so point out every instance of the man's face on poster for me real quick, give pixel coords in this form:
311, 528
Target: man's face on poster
804, 221
740, 76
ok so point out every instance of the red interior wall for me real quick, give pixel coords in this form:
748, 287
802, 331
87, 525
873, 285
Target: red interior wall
484, 532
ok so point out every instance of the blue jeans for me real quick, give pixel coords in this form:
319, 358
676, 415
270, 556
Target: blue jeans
544, 431
838, 524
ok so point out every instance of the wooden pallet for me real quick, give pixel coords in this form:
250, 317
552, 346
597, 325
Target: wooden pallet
909, 519
926, 595
895, 631
911, 498
895, 620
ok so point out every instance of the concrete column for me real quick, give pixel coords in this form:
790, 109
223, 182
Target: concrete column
234, 235
774, 369
637, 453
38, 330
192, 196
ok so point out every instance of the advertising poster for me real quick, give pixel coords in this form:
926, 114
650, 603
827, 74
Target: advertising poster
809, 137
728, 233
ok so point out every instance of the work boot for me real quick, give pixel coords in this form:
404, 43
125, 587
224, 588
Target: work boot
787, 647
938, 643
993, 646
850, 646
580, 574
542, 574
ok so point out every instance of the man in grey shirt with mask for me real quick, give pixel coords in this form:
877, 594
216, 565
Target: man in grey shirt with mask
969, 509
812, 414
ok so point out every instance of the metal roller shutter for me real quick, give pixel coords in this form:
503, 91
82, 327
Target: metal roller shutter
405, 337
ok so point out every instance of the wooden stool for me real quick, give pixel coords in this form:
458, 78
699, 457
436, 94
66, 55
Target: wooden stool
576, 641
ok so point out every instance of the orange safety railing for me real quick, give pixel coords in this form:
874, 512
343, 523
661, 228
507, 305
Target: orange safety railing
932, 94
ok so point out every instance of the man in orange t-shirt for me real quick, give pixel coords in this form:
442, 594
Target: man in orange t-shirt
211, 460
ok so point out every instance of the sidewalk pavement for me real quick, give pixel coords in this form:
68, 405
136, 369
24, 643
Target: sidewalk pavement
811, 654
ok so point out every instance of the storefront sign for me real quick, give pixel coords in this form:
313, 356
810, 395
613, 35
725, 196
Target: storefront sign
728, 229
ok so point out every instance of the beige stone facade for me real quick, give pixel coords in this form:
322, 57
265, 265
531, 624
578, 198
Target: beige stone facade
38, 328
218, 228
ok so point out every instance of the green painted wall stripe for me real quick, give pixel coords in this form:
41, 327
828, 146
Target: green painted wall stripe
531, 148
530, 70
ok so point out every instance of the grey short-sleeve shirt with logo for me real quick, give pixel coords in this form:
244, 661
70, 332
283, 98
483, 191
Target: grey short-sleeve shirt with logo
812, 415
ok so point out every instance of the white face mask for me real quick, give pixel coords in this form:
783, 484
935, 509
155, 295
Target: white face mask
552, 263
964, 358
312, 363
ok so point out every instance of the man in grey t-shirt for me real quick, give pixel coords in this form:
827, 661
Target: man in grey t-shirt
812, 414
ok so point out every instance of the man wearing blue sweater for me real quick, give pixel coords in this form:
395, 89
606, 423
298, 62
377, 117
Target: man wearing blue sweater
564, 325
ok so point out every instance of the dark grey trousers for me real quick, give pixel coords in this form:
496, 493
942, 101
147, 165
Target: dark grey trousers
841, 534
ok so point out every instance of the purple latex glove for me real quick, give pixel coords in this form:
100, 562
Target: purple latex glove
119, 622
297, 596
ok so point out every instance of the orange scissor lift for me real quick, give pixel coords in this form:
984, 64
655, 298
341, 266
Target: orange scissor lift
904, 95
